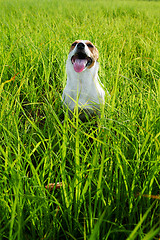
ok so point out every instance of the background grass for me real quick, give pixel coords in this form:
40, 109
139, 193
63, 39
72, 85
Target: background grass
107, 174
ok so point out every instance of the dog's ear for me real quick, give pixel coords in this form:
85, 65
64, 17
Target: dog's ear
95, 54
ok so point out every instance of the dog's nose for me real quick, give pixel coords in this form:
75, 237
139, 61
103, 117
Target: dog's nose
80, 46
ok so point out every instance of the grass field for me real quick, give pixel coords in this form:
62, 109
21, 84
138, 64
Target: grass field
110, 177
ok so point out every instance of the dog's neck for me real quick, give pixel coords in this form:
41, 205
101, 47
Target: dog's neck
86, 78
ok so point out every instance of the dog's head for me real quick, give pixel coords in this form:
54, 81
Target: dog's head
83, 55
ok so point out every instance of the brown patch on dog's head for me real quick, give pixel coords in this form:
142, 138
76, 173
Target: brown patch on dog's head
73, 45
94, 51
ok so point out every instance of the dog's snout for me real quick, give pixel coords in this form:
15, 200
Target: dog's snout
80, 46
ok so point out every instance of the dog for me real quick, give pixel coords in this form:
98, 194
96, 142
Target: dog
83, 88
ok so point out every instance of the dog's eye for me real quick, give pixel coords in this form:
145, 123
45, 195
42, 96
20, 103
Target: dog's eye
74, 44
89, 45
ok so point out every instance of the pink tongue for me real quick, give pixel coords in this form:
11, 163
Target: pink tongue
79, 64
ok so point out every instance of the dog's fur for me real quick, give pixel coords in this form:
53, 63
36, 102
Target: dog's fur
83, 87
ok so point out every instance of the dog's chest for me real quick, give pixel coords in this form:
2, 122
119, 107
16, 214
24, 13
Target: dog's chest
83, 88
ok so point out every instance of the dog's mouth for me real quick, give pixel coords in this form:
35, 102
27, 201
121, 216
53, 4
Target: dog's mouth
80, 61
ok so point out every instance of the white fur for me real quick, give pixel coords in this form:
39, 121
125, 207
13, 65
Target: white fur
83, 88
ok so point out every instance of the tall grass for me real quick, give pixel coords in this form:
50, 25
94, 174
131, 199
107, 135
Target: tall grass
109, 173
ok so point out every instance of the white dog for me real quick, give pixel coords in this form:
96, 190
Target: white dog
83, 88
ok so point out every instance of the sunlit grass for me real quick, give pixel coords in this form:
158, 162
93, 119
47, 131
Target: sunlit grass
110, 171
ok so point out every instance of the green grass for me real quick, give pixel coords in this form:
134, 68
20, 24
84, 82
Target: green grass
104, 173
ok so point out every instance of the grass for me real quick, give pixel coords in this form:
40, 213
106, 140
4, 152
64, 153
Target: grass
110, 177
